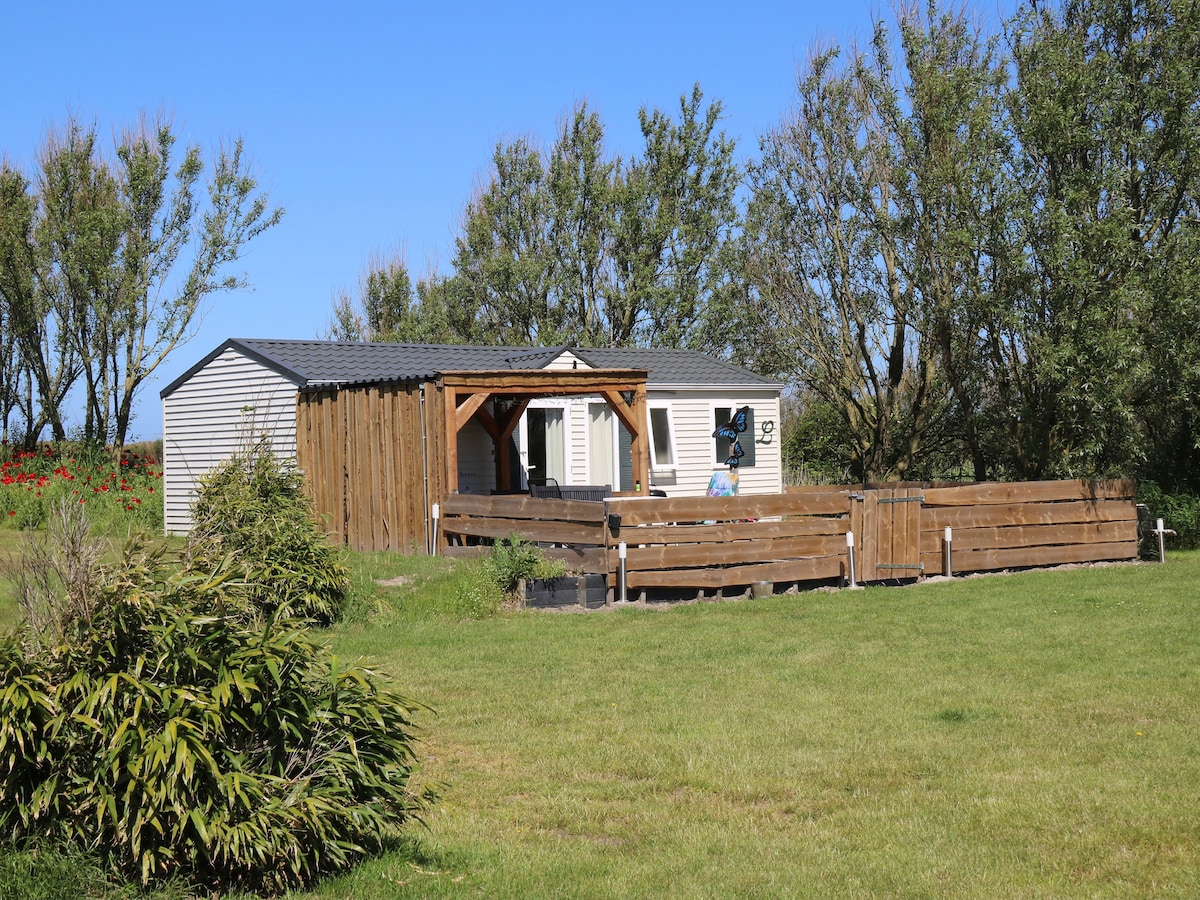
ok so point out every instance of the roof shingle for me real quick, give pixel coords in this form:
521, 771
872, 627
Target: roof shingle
310, 363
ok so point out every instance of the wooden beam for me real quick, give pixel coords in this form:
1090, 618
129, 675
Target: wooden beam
640, 445
469, 408
450, 426
623, 410
508, 421
539, 382
506, 424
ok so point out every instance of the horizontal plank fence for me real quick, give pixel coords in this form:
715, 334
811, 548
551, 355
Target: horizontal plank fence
1029, 524
721, 542
575, 530
800, 536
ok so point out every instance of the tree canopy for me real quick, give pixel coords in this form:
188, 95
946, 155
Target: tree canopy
106, 263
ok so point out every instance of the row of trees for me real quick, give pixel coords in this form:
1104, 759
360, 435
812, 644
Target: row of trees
573, 245
989, 256
105, 264
968, 252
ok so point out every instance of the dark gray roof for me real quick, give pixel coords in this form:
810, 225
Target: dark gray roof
309, 363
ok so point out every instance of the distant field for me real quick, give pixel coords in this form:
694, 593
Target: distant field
1024, 736
1034, 735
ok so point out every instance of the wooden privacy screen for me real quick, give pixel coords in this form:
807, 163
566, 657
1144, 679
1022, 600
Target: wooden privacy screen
715, 543
720, 542
574, 528
369, 459
1026, 524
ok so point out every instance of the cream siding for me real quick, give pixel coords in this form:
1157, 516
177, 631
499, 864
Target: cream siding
229, 403
566, 360
692, 412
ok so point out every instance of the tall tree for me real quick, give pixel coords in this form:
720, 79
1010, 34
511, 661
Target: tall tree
958, 155
90, 255
389, 307
505, 262
674, 217
1106, 110
44, 352
574, 246
831, 256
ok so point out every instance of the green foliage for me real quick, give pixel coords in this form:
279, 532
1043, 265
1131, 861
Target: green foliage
183, 738
813, 449
991, 263
1179, 511
254, 509
89, 289
513, 558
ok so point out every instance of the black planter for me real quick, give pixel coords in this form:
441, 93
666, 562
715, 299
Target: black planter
589, 591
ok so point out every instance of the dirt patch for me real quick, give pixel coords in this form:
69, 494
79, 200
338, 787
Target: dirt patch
398, 581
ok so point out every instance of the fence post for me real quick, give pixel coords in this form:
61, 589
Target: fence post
621, 572
1162, 547
947, 540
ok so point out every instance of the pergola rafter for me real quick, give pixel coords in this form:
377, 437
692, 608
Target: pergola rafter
467, 393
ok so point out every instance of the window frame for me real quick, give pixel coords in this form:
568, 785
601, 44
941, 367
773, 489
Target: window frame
672, 447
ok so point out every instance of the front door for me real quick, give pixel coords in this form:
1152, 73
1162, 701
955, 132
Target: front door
545, 443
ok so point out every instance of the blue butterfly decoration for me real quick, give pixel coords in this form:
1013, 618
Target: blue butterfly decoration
730, 431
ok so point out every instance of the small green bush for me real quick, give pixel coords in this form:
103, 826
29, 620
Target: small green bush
513, 559
187, 739
254, 509
1180, 512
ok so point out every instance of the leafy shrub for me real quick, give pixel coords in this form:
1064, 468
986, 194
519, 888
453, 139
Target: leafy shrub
187, 739
1179, 511
513, 558
253, 508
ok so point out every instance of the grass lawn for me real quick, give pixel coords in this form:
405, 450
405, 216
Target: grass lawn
1025, 736
1036, 735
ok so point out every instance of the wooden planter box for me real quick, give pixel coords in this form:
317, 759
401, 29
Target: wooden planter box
585, 591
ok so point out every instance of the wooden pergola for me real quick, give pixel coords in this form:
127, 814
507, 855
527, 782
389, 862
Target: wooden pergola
466, 393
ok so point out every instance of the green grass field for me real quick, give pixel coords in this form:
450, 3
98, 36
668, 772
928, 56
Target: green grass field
1035, 735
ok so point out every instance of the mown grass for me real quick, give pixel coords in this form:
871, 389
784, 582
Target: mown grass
1032, 735
1035, 735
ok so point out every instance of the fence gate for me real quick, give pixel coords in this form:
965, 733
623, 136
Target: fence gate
889, 529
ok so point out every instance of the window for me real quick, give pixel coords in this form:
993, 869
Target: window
662, 438
723, 415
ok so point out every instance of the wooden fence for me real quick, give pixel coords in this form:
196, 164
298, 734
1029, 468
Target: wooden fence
800, 537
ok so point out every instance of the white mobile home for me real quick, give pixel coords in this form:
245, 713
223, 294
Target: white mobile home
383, 430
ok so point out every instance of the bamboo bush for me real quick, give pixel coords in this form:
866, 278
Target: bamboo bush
253, 509
187, 737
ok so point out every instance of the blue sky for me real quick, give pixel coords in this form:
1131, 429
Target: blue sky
371, 123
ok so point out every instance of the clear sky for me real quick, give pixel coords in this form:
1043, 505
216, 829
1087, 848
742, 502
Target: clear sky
371, 123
